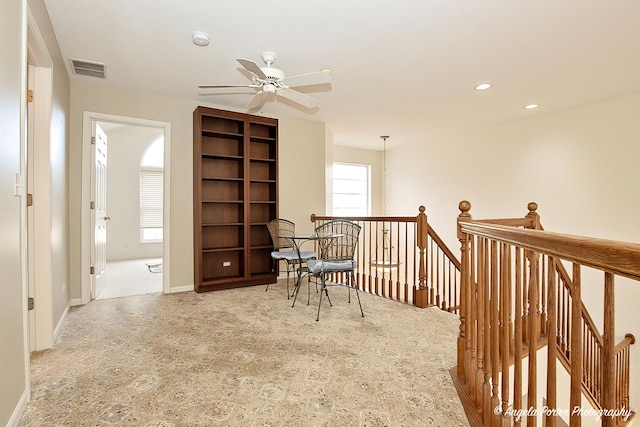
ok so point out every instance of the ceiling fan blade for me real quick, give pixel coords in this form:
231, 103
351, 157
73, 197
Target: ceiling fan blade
221, 86
252, 67
298, 98
308, 79
257, 101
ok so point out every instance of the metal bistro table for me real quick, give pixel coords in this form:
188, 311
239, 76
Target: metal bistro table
297, 242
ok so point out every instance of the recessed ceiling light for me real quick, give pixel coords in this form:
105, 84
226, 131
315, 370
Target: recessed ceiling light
483, 86
200, 38
531, 106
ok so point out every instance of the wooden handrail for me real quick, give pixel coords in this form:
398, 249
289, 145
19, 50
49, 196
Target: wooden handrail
607, 255
436, 238
425, 271
315, 218
628, 340
547, 304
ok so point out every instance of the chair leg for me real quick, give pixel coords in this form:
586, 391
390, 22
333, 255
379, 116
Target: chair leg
273, 269
296, 291
320, 300
287, 281
323, 287
357, 294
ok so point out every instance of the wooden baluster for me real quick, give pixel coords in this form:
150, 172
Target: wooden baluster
423, 235
533, 331
471, 317
608, 362
552, 349
370, 248
575, 399
464, 215
530, 310
495, 335
406, 261
517, 349
505, 302
543, 296
482, 283
487, 409
397, 285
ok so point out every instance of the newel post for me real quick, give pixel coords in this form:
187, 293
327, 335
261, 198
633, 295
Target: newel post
535, 218
464, 207
422, 295
608, 351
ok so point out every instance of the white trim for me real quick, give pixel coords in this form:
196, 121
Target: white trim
40, 250
75, 302
85, 224
175, 290
42, 215
22, 404
56, 331
19, 409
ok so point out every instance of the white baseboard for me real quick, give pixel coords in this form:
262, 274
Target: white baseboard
17, 412
75, 302
187, 288
58, 327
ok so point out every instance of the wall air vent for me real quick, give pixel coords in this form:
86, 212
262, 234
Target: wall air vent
87, 68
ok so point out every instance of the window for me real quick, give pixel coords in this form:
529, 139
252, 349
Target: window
152, 192
351, 190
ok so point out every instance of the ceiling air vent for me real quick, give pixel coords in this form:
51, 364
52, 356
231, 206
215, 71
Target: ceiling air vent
86, 68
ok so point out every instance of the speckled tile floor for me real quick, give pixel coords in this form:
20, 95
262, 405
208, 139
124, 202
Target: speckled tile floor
245, 357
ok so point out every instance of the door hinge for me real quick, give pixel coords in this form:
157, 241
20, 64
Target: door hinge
92, 270
29, 199
30, 303
93, 140
29, 95
92, 205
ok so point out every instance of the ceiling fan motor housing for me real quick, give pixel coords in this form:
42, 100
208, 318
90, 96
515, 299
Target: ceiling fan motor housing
273, 74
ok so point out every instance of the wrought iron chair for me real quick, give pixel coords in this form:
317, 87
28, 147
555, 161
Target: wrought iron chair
337, 241
283, 248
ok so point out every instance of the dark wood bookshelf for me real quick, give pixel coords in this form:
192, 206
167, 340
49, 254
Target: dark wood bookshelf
235, 194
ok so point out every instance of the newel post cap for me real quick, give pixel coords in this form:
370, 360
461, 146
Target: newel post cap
465, 207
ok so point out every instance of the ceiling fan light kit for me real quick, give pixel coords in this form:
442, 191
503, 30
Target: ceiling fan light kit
269, 81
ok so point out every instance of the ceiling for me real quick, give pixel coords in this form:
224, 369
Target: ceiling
405, 68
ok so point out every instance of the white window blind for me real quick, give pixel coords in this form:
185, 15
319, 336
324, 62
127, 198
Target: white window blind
351, 190
151, 194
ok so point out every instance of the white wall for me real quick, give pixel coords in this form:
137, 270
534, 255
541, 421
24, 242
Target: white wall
304, 138
58, 155
301, 165
126, 145
12, 85
580, 165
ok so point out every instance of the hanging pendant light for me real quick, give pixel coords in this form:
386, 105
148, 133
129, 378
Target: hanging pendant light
384, 249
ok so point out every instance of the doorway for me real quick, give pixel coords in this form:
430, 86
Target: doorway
134, 265
133, 259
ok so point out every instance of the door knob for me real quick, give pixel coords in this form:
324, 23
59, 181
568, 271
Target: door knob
107, 218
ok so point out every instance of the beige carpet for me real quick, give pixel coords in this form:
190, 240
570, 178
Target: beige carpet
245, 357
130, 277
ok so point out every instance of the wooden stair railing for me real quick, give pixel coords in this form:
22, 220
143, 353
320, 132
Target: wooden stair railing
404, 259
514, 292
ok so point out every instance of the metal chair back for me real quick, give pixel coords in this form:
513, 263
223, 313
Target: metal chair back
280, 229
341, 239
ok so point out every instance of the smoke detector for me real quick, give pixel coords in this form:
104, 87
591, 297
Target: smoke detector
200, 38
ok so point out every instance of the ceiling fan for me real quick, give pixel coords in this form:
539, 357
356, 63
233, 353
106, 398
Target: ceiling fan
270, 83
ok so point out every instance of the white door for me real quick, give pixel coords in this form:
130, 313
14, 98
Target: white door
99, 211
